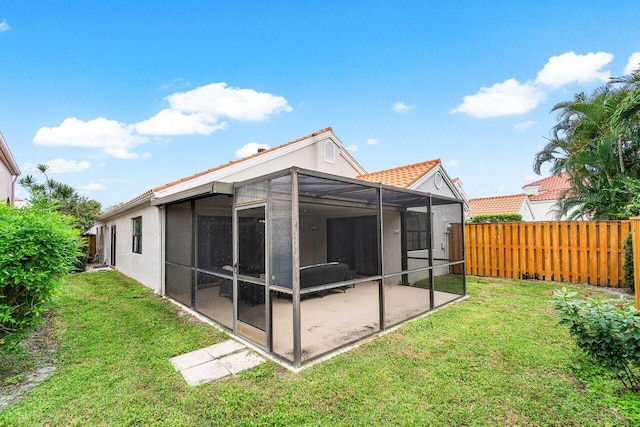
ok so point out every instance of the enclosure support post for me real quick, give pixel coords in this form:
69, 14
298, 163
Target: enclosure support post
432, 293
403, 247
463, 250
295, 268
381, 260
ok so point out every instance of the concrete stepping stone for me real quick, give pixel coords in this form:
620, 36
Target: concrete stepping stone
191, 359
205, 372
239, 362
214, 362
223, 348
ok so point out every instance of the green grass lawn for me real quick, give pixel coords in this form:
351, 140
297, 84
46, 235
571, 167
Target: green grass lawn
498, 358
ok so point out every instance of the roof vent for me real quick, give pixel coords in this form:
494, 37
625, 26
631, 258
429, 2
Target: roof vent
261, 150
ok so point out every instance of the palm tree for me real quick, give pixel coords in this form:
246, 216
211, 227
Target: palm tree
597, 140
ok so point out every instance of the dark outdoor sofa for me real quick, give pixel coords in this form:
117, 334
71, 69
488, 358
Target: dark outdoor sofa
324, 274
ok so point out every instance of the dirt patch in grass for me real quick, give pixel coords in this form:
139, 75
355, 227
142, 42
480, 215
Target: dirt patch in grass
30, 363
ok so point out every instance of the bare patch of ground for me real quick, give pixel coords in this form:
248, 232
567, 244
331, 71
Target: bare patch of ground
29, 364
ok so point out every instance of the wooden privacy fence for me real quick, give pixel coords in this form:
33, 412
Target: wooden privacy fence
566, 251
635, 230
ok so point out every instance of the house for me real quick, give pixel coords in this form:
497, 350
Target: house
9, 173
296, 250
512, 204
544, 195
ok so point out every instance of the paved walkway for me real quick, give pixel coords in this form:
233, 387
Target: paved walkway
214, 362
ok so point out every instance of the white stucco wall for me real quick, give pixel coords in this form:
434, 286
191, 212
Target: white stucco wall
529, 213
144, 267
392, 242
313, 238
6, 183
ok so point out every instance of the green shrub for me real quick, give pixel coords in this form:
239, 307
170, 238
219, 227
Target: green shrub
37, 248
607, 331
496, 218
627, 265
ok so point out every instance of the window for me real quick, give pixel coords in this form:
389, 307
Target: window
438, 180
417, 230
329, 152
136, 246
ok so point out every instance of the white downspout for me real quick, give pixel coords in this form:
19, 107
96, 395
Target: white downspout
13, 190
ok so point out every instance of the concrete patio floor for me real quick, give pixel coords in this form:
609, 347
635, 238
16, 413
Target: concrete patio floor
326, 323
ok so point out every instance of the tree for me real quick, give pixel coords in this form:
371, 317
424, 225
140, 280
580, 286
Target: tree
61, 198
597, 141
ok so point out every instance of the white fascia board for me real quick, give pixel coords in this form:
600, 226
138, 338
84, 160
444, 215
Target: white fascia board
5, 154
208, 188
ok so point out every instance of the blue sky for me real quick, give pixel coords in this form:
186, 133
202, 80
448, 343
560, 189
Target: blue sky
119, 97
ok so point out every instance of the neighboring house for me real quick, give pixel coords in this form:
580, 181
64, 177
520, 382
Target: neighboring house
252, 244
544, 195
512, 204
9, 173
20, 203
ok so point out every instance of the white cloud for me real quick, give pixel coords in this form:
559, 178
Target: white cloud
501, 99
522, 127
99, 185
633, 63
113, 138
198, 111
93, 186
401, 107
352, 148
531, 177
372, 141
513, 97
173, 122
219, 100
570, 67
65, 166
250, 149
452, 163
4, 26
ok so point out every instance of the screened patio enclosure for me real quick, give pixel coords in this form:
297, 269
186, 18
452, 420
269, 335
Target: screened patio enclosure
303, 263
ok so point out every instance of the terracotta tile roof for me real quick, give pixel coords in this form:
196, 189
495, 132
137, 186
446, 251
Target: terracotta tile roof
553, 182
233, 162
403, 176
553, 187
497, 205
556, 194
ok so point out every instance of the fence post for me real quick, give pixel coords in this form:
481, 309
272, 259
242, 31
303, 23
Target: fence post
635, 237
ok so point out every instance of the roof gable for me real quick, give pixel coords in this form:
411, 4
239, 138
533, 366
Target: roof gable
238, 161
402, 176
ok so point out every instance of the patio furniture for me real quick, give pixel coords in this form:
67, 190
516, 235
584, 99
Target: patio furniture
324, 274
